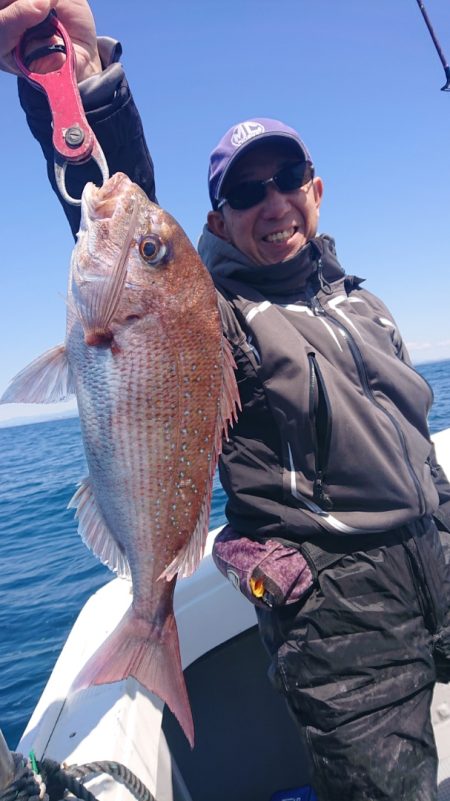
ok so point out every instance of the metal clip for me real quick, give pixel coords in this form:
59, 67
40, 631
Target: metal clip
74, 141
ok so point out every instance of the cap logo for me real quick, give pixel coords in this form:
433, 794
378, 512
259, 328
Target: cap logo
245, 131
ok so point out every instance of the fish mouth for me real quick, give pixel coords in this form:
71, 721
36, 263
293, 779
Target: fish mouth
100, 259
101, 202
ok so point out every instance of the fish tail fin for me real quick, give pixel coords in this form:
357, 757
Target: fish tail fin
151, 654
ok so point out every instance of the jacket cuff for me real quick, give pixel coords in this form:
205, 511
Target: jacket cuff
98, 91
100, 94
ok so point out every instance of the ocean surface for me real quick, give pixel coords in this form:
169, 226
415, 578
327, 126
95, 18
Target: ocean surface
46, 572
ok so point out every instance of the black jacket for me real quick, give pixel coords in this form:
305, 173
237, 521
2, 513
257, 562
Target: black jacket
333, 431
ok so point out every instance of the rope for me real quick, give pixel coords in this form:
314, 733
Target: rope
27, 784
58, 781
119, 772
46, 780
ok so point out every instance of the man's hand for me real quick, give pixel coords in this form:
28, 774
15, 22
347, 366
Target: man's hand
16, 16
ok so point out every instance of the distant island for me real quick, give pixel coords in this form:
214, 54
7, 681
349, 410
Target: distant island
19, 414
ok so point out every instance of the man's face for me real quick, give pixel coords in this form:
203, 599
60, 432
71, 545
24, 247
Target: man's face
275, 229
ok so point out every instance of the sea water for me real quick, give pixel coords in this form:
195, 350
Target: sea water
47, 573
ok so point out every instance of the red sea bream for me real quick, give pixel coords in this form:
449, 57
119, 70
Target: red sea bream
154, 380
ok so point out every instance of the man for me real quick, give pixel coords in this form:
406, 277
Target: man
361, 634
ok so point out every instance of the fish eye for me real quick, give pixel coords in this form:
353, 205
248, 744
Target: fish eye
152, 249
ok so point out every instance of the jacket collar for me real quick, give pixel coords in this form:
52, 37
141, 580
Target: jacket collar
315, 263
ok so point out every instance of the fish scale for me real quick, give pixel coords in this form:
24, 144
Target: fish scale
139, 441
154, 379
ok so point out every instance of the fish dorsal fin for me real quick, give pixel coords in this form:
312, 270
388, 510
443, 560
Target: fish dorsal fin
187, 560
230, 401
46, 380
95, 533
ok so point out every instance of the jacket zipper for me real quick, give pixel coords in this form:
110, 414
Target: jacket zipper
318, 309
320, 414
420, 581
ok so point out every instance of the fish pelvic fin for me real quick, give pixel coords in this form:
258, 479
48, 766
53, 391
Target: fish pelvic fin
94, 531
151, 654
188, 559
47, 379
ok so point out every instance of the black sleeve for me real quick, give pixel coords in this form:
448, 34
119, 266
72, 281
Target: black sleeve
115, 120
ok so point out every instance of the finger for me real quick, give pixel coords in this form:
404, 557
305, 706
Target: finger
15, 19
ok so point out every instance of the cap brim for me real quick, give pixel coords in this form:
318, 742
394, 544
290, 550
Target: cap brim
261, 139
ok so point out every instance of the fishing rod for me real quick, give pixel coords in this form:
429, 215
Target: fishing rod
446, 87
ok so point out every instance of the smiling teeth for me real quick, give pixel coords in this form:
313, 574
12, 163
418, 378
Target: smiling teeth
280, 236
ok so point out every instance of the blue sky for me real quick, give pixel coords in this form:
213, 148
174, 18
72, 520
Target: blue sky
359, 79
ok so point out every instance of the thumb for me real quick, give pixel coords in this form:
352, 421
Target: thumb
15, 19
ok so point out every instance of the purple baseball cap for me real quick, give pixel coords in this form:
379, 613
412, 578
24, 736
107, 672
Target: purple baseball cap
238, 140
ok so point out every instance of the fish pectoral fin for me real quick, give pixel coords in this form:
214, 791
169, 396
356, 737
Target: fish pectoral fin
95, 533
47, 379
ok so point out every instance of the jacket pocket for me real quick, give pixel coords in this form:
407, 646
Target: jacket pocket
321, 424
430, 572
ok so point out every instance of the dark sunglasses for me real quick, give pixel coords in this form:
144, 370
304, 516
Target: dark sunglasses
250, 193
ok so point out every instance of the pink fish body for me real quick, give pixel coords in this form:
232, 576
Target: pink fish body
154, 379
